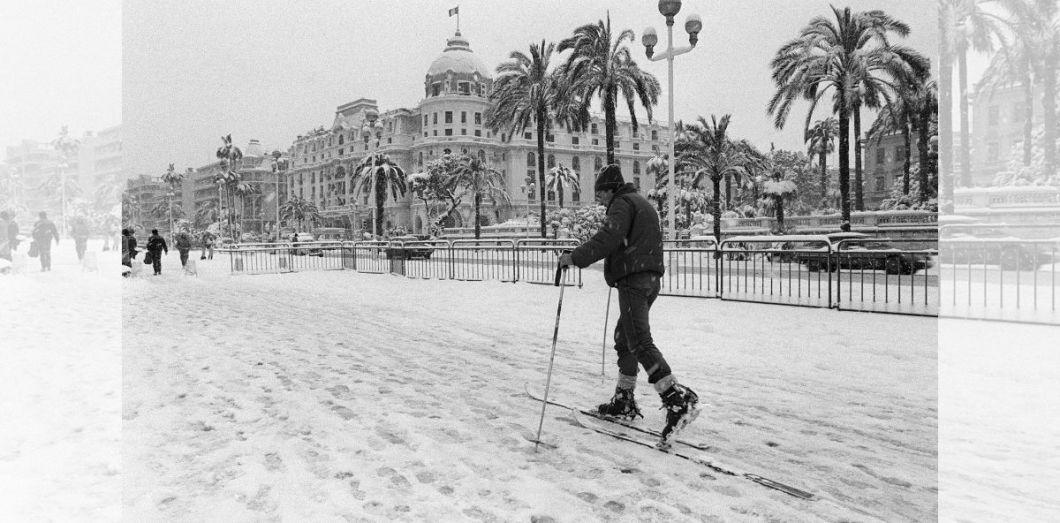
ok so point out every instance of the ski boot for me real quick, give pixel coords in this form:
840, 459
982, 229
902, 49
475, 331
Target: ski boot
622, 405
680, 404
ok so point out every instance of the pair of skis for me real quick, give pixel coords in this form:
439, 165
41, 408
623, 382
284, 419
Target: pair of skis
688, 450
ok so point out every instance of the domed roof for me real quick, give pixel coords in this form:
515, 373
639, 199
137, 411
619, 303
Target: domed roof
458, 58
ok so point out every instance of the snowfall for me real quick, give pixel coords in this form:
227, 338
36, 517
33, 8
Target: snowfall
339, 396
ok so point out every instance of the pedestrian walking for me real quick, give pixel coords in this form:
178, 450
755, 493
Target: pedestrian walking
79, 231
43, 233
183, 242
156, 245
207, 244
630, 243
12, 232
128, 247
5, 242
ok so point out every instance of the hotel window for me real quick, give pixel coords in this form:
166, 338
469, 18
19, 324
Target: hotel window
636, 167
528, 136
530, 160
449, 117
593, 129
596, 141
463, 116
478, 118
598, 163
424, 119
465, 88
531, 175
636, 146
341, 151
448, 132
879, 183
478, 132
551, 161
550, 137
654, 135
463, 132
436, 132
576, 194
421, 157
434, 119
436, 89
575, 164
636, 182
880, 153
655, 148
574, 140
341, 137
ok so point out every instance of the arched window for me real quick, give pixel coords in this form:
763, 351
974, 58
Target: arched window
530, 160
447, 151
341, 138
575, 164
598, 163
636, 167
463, 151
551, 161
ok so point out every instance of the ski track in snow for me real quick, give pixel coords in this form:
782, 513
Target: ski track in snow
356, 396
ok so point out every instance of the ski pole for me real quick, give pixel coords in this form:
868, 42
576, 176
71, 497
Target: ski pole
561, 271
603, 344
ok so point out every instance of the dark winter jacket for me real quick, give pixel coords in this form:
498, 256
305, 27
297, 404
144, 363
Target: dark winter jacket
630, 240
43, 232
157, 243
183, 241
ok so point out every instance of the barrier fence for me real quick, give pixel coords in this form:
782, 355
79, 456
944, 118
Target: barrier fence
987, 279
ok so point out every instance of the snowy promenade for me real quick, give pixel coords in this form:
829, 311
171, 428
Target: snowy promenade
331, 396
344, 395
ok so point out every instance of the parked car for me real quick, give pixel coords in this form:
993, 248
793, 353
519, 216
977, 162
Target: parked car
860, 251
410, 253
989, 246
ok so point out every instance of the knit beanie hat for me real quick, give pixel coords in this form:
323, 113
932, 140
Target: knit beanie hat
610, 178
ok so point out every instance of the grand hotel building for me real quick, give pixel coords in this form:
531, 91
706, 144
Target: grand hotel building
450, 119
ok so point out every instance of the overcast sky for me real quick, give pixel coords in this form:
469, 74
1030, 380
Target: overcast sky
192, 70
61, 64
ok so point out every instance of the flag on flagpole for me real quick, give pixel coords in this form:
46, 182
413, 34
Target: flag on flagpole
454, 11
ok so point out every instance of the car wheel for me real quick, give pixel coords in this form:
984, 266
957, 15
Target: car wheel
893, 265
813, 266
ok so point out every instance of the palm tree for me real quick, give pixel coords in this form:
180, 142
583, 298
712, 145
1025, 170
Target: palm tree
66, 147
526, 91
299, 210
600, 65
965, 26
171, 178
206, 213
243, 189
820, 140
376, 174
481, 180
706, 151
850, 57
231, 158
558, 178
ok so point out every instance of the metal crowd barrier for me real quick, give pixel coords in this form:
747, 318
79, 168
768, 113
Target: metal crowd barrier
478, 260
535, 259
1000, 279
773, 270
691, 268
904, 281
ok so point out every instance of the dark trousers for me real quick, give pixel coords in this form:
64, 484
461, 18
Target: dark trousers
45, 253
156, 261
79, 246
183, 256
633, 343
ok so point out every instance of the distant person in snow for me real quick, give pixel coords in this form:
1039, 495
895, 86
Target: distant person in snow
182, 240
128, 247
156, 245
12, 232
44, 232
79, 231
207, 244
630, 243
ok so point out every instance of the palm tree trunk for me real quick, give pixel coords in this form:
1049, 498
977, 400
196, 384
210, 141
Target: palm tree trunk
1049, 113
1028, 120
908, 157
824, 176
859, 185
717, 211
966, 146
541, 165
924, 160
728, 191
779, 204
844, 165
716, 182
478, 225
380, 199
559, 190
945, 166
610, 124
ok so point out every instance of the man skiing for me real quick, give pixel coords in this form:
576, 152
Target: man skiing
630, 243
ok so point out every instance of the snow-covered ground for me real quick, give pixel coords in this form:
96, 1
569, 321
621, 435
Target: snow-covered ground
337, 395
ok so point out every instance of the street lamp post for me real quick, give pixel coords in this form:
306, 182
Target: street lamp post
669, 9
278, 168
